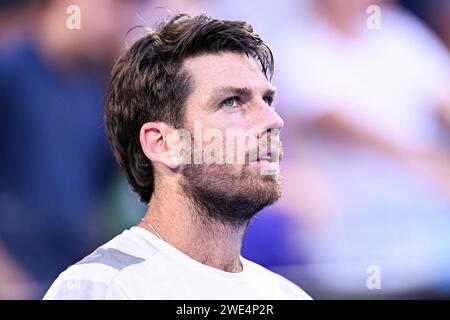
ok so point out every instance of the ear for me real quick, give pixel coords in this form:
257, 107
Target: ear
155, 145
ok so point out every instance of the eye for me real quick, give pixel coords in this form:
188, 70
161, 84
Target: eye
268, 100
230, 102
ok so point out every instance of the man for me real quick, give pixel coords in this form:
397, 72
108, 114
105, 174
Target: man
199, 75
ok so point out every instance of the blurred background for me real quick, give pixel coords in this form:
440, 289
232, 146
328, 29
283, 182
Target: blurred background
364, 89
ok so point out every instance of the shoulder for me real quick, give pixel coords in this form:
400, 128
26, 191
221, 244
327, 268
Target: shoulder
284, 288
93, 277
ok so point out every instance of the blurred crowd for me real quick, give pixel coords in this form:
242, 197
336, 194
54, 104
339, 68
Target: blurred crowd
366, 171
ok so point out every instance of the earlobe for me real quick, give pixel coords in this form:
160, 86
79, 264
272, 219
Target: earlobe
173, 162
155, 145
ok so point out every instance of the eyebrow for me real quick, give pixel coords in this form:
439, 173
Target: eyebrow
240, 91
271, 91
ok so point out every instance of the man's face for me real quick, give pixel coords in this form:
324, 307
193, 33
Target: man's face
231, 101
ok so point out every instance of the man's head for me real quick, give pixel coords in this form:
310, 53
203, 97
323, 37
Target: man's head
211, 78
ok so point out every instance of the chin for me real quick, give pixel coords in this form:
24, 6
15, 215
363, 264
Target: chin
266, 188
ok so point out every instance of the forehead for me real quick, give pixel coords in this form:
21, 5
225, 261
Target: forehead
226, 69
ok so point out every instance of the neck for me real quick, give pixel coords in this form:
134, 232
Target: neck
210, 242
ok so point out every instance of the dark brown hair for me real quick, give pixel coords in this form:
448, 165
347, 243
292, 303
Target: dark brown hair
149, 84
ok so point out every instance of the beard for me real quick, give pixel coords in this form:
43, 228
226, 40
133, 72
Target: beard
220, 193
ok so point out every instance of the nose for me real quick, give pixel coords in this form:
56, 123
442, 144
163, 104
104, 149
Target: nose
268, 118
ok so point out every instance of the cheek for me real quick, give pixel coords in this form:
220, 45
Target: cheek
228, 137
239, 120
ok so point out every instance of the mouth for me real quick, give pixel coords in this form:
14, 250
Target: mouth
265, 158
267, 164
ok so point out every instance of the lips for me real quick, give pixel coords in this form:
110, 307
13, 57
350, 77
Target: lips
267, 157
268, 163
270, 156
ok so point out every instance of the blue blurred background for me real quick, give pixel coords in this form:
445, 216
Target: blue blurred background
365, 96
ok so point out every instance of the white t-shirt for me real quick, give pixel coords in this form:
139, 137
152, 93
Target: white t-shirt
138, 265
